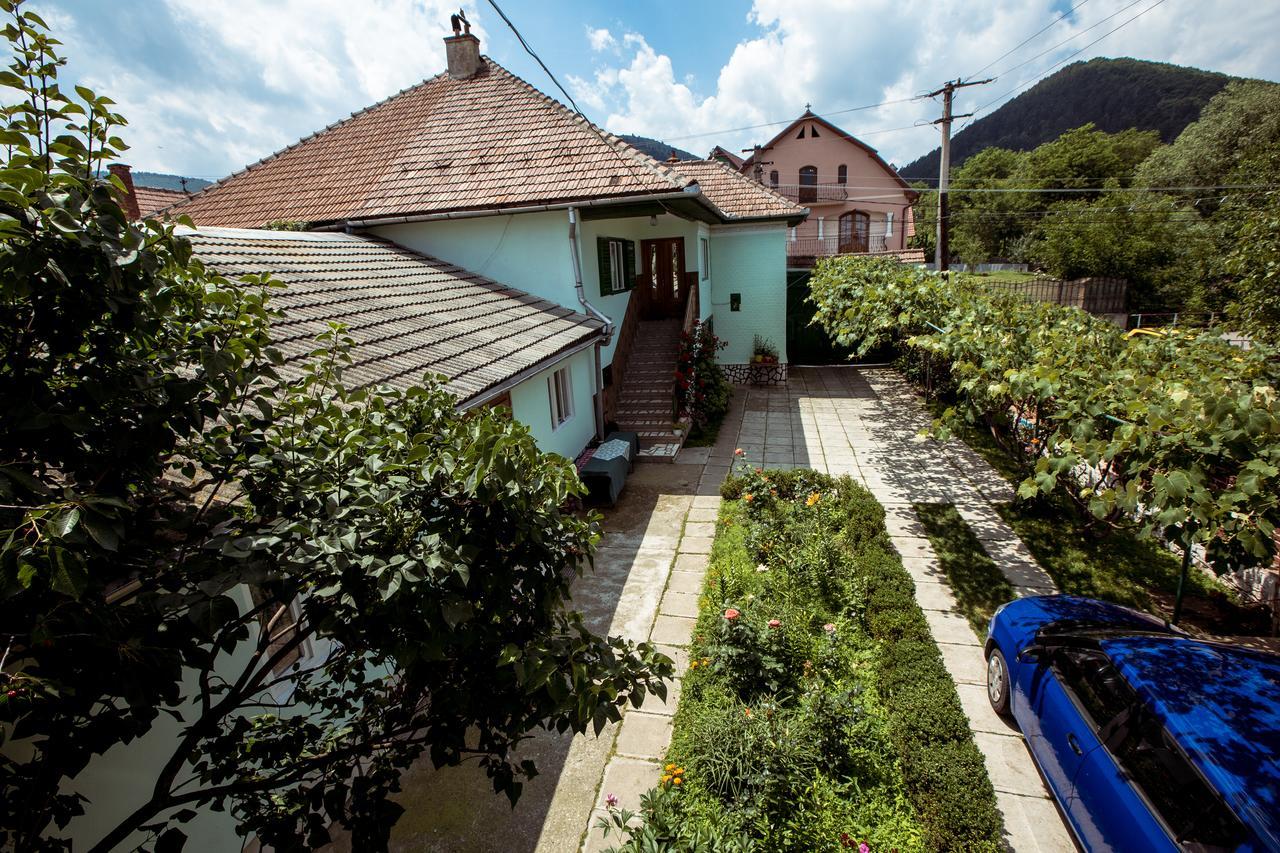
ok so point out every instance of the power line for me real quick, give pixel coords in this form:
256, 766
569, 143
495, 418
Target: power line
1066, 58
1072, 37
1020, 45
790, 120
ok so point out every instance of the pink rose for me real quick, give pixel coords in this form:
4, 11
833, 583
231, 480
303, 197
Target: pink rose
775, 623
830, 628
863, 848
731, 614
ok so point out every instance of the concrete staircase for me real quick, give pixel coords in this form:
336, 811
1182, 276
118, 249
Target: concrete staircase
645, 401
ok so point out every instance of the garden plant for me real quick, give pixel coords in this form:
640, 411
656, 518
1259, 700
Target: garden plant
816, 714
1176, 435
289, 589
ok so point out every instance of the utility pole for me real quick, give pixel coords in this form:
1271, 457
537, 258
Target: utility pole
947, 92
757, 165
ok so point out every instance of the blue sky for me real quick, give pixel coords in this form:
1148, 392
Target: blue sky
211, 85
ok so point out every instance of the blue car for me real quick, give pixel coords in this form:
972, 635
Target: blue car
1151, 740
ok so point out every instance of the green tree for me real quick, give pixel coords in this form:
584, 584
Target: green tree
169, 504
1254, 262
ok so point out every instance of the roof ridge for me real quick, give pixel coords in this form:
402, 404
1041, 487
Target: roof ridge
611, 139
278, 152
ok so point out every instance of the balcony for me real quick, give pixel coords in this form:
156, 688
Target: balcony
805, 250
810, 193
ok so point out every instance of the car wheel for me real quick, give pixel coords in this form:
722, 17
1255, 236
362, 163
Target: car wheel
998, 682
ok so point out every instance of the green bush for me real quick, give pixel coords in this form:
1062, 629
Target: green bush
837, 725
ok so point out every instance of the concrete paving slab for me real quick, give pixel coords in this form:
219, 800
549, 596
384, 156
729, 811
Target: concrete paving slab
696, 545
629, 778
703, 515
707, 502
913, 546
950, 628
693, 456
1034, 825
965, 663
679, 656
692, 562
675, 603
935, 596
654, 704
699, 530
672, 630
1010, 766
686, 582
643, 735
973, 699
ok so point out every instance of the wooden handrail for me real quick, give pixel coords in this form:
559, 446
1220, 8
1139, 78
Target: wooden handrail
622, 353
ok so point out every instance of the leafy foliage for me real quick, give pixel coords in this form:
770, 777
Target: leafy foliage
702, 391
172, 496
1177, 433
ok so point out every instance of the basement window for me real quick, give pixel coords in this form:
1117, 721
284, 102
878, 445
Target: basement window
560, 392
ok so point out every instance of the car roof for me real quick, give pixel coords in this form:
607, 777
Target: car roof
1221, 704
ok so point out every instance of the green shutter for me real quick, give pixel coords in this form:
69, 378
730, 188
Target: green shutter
602, 249
629, 251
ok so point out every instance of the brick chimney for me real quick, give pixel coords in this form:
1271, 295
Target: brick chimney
462, 49
130, 200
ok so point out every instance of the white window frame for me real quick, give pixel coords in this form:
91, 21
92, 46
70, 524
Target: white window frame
560, 395
705, 244
617, 266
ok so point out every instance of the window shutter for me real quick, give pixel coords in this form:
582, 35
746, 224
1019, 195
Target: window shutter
602, 250
629, 251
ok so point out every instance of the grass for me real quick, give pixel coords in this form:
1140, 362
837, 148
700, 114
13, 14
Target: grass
817, 712
1085, 558
1007, 276
978, 584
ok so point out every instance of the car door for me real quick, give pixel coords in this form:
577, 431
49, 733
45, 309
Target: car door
1054, 725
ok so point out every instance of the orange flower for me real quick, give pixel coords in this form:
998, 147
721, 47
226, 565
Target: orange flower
748, 497
747, 711
813, 499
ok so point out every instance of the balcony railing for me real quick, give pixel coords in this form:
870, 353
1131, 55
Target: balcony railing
821, 247
807, 193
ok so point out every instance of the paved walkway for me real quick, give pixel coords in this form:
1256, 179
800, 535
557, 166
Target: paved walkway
649, 572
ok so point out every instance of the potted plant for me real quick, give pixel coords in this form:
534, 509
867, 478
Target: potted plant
764, 351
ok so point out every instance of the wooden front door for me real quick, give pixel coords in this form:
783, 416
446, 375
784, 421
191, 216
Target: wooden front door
855, 232
662, 276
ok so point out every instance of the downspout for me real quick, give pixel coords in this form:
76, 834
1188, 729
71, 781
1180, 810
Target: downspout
592, 311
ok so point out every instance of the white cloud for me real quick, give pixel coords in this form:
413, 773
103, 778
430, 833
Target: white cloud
838, 54
601, 39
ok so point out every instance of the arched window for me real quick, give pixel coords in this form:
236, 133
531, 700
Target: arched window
773, 179
808, 184
842, 174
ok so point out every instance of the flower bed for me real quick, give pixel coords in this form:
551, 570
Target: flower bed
816, 713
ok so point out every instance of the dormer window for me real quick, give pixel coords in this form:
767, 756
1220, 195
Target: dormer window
842, 174
813, 131
800, 135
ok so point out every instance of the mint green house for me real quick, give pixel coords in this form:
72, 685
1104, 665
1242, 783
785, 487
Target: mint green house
477, 170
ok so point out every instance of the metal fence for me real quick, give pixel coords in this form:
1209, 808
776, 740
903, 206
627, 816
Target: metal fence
1095, 295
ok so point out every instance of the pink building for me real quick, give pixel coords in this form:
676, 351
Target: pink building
857, 202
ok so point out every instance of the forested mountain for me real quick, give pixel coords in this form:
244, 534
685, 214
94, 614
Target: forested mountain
1113, 94
656, 148
168, 182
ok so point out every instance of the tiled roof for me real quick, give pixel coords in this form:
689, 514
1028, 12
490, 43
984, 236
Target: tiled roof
409, 314
485, 142
734, 160
154, 199
735, 194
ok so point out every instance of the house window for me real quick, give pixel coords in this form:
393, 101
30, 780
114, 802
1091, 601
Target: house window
773, 178
842, 174
813, 131
560, 392
888, 224
800, 135
617, 264
706, 257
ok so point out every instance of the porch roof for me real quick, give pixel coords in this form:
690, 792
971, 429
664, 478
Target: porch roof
409, 314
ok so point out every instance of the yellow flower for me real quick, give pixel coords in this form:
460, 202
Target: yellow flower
679, 771
813, 499
665, 779
675, 781
693, 665
669, 768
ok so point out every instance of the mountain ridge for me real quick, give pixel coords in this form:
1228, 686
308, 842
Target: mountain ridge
1114, 94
